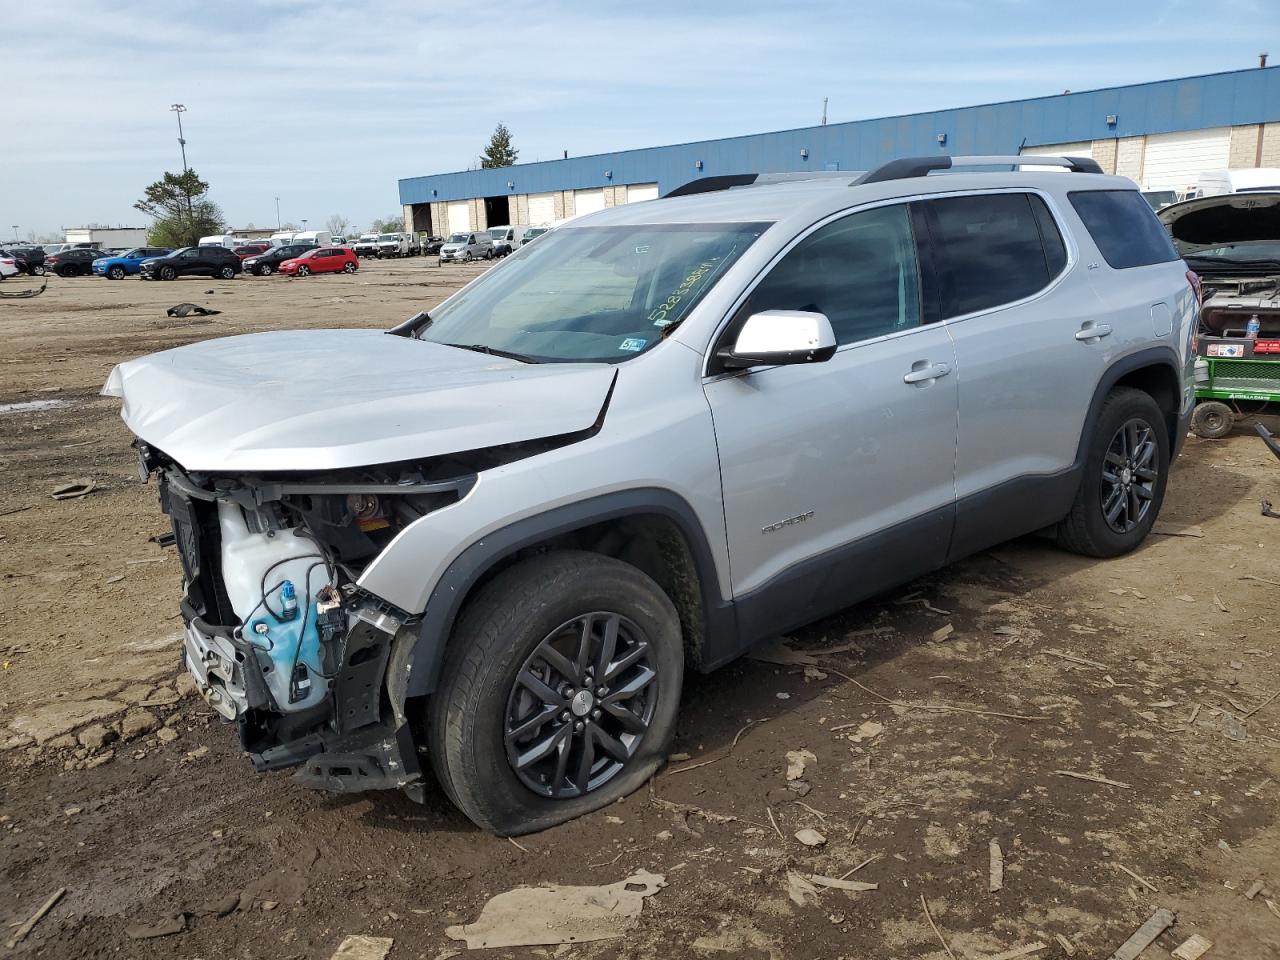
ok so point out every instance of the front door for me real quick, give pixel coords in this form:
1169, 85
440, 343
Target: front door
838, 477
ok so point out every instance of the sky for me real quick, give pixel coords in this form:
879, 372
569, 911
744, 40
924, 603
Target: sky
327, 105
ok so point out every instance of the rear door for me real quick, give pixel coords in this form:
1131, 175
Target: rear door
838, 477
1000, 275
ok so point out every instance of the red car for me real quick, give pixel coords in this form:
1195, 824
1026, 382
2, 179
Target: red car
251, 250
322, 260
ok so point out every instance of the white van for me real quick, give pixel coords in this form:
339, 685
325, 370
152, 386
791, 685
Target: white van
508, 238
321, 238
222, 240
1215, 183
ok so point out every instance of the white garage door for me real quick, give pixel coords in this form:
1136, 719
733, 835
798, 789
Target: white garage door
587, 201
1174, 161
542, 209
1083, 148
641, 191
459, 216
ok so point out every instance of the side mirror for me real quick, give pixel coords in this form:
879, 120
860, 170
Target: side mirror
774, 337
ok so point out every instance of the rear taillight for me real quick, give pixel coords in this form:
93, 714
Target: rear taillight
1194, 279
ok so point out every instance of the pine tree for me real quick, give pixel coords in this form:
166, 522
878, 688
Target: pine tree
499, 152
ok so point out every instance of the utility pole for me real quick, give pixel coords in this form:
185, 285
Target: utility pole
277, 213
824, 111
15, 234
179, 109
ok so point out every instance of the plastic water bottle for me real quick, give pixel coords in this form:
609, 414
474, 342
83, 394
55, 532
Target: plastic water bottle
1251, 331
288, 601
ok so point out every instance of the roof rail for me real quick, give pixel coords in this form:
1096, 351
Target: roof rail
907, 167
731, 180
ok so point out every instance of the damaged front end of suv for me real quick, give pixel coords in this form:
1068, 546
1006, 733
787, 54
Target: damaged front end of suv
285, 480
278, 635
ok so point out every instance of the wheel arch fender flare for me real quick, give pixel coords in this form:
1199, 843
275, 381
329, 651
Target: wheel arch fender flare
416, 665
1160, 362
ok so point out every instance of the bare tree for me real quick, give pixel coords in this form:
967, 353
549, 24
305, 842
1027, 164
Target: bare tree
338, 225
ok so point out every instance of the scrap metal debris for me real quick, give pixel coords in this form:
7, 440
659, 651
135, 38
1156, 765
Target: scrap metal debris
360, 947
25, 294
73, 490
536, 916
188, 309
29, 924
1145, 935
1193, 948
995, 873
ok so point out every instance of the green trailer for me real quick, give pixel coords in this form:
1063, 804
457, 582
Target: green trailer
1229, 388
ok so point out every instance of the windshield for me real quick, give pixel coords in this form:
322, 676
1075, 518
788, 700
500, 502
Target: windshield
458, 237
499, 233
592, 293
389, 236
536, 232
1245, 250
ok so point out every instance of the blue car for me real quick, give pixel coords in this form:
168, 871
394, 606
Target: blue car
127, 264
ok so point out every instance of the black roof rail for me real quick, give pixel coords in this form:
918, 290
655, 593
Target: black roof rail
712, 184
907, 167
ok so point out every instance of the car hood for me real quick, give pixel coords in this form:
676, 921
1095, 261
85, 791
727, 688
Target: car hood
1208, 222
328, 399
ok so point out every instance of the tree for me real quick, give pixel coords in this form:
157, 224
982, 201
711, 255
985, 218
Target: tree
391, 224
338, 225
182, 211
499, 152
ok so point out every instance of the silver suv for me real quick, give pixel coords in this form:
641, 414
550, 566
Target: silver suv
493, 540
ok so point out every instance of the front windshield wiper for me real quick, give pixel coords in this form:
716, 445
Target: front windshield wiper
491, 351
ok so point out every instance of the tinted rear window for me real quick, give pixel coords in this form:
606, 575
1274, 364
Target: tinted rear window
988, 251
1124, 227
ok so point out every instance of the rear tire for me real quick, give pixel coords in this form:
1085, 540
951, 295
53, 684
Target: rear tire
1126, 469
349, 267
614, 743
1212, 420
38, 270
227, 273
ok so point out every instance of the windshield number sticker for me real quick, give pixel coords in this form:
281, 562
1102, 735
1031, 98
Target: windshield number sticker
661, 315
632, 345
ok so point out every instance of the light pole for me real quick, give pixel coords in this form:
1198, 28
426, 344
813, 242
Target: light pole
15, 234
179, 109
277, 213
304, 223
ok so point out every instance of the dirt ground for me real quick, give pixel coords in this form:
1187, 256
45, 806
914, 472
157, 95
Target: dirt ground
1149, 674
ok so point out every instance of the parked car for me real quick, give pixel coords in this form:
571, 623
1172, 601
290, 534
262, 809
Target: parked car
393, 245
366, 246
8, 266
533, 233
208, 261
75, 262
431, 245
322, 260
250, 250
667, 436
32, 257
128, 263
268, 262
475, 245
507, 239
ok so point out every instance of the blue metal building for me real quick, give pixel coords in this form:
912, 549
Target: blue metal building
1235, 109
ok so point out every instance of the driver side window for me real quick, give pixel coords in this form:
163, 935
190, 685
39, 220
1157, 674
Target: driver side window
861, 271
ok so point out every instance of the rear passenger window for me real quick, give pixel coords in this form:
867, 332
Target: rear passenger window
1124, 227
860, 271
991, 249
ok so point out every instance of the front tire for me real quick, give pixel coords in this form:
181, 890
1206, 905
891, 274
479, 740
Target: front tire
167, 273
1125, 472
1212, 420
116, 273
559, 692
304, 271
38, 270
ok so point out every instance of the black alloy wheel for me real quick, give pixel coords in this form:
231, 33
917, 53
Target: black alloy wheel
580, 705
1130, 472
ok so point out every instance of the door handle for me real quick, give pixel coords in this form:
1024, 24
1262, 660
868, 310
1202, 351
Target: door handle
1093, 331
922, 371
